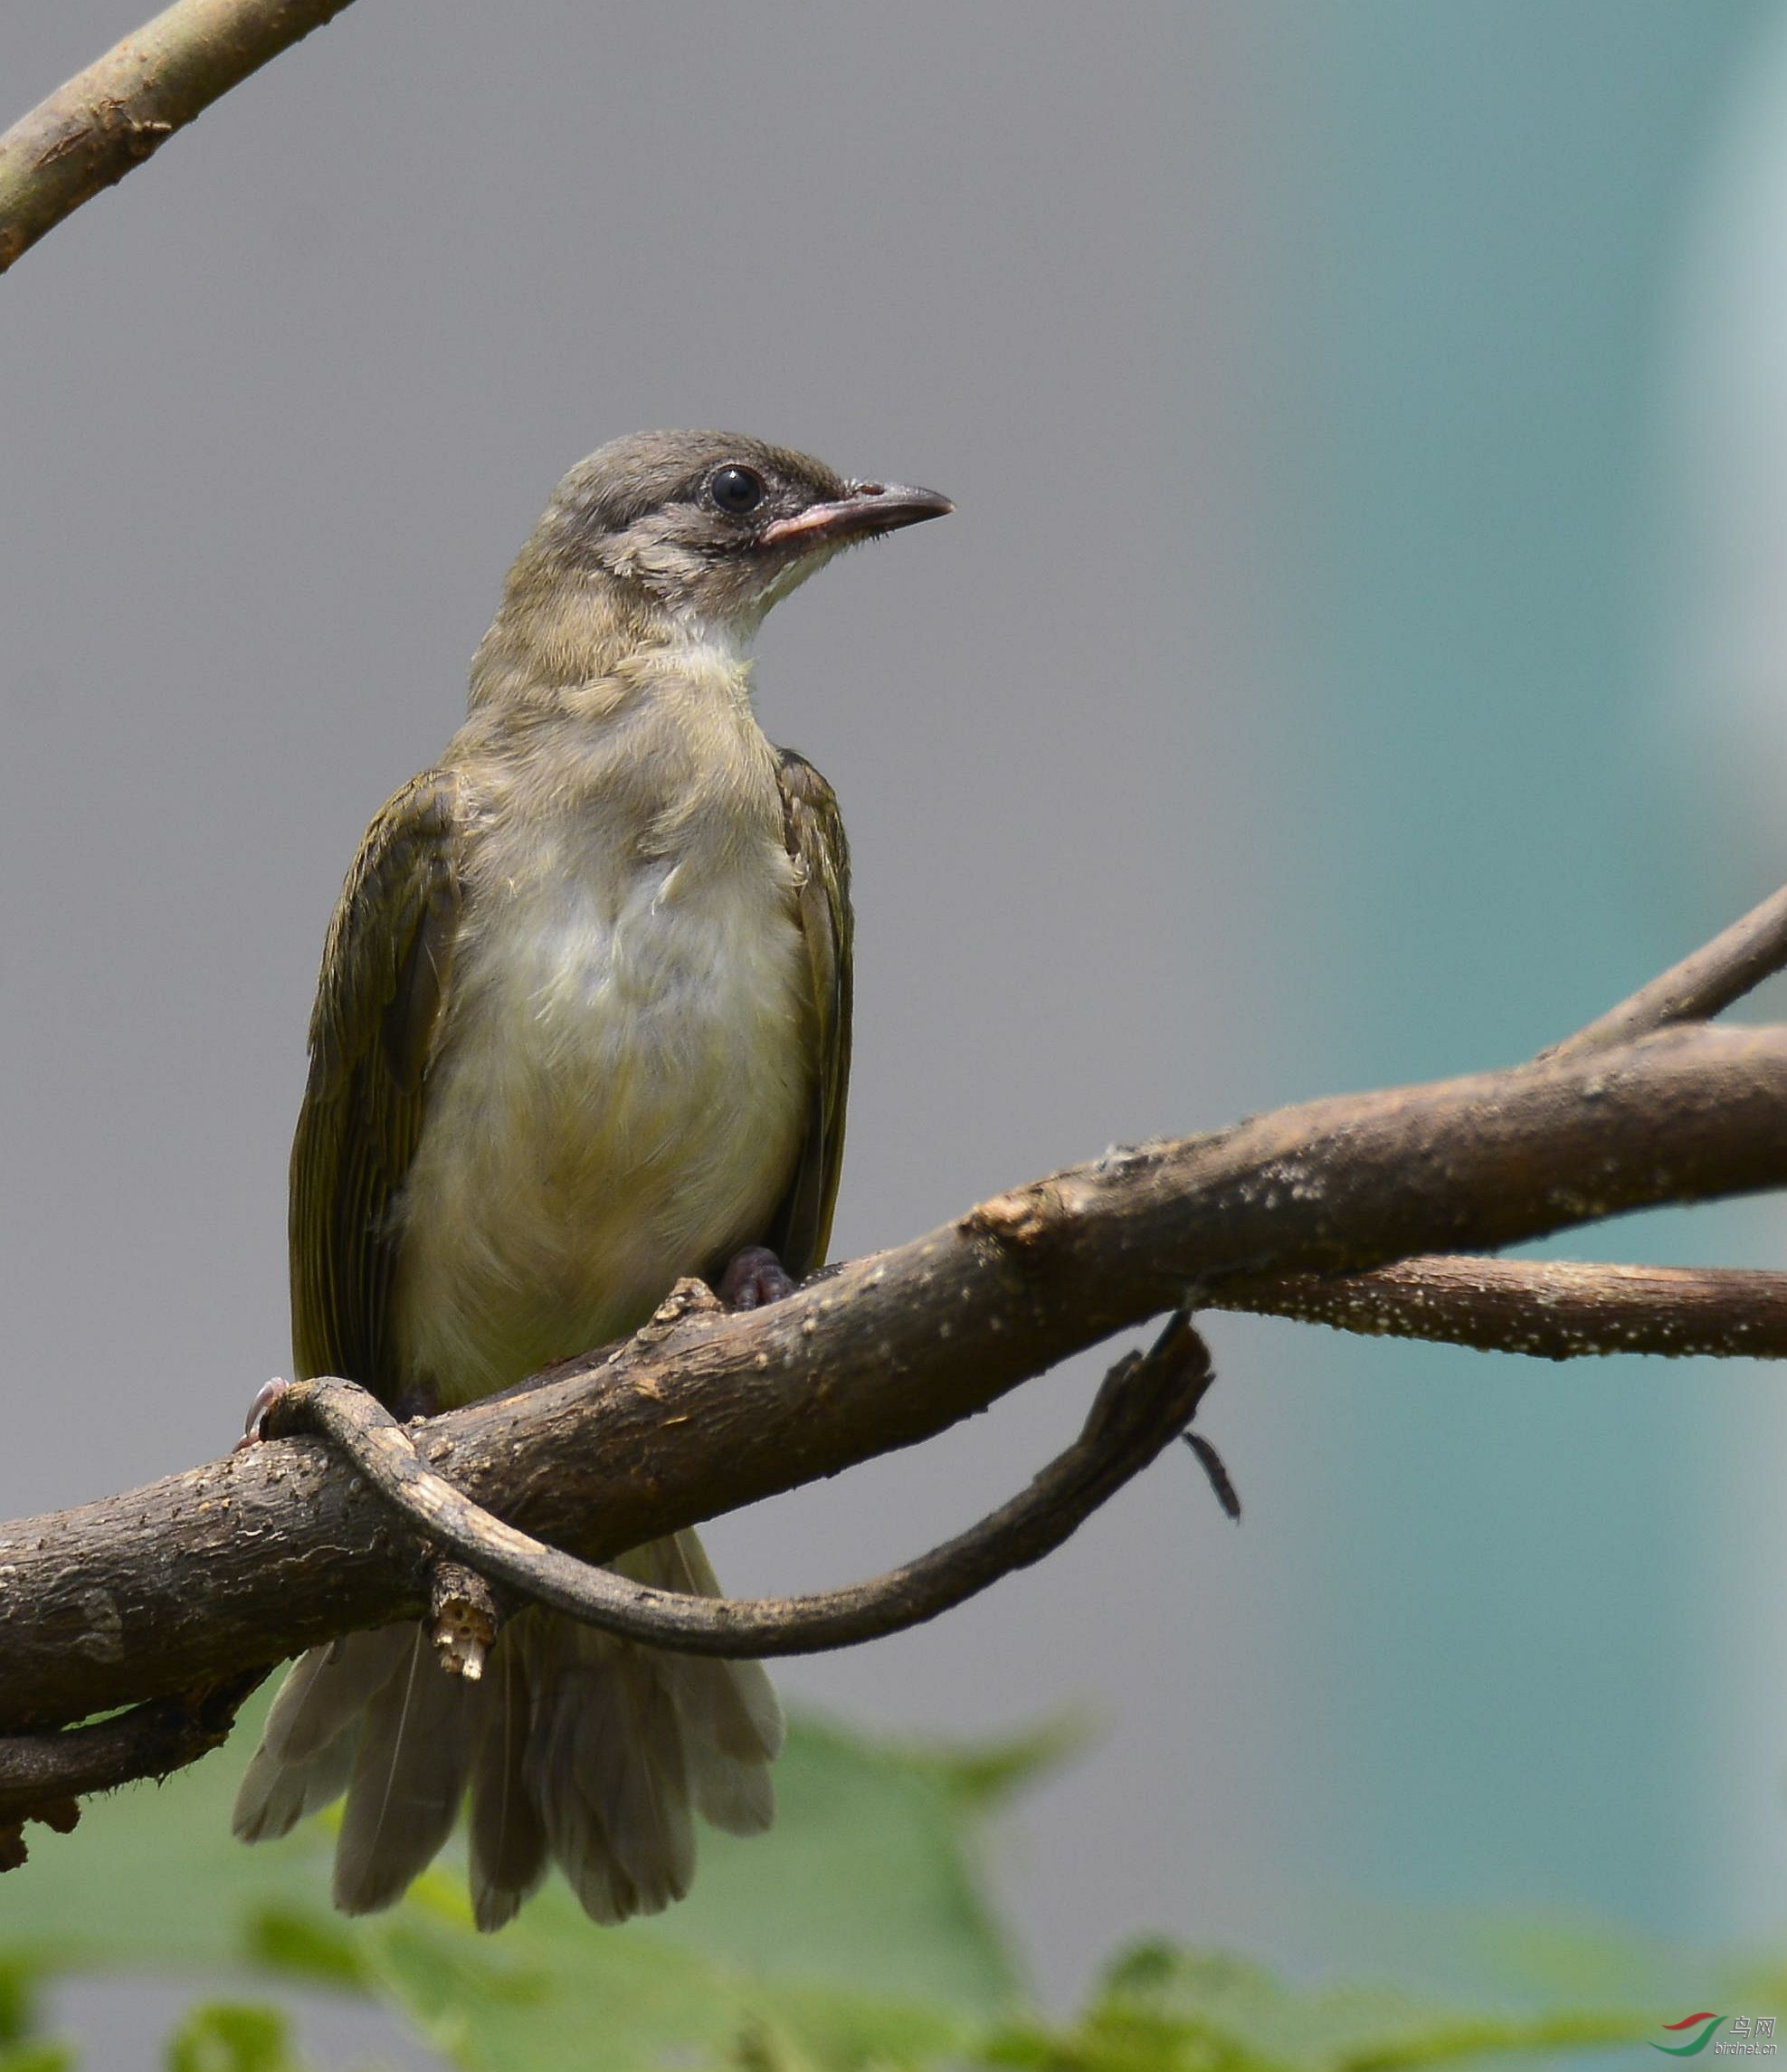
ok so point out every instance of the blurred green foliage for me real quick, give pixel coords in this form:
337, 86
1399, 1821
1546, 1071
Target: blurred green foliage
858, 1937
230, 2035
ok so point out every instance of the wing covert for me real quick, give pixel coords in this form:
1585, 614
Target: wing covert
387, 968
815, 835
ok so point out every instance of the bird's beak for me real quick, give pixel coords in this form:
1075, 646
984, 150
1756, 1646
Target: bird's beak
869, 509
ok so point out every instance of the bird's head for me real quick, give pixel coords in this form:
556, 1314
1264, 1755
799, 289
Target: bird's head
713, 527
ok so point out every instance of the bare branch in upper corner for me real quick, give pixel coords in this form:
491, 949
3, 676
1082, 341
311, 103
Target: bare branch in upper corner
124, 107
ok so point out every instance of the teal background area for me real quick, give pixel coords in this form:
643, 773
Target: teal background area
1521, 1590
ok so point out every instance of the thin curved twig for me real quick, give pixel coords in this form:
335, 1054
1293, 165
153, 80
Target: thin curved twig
1553, 1309
1144, 1403
125, 105
1704, 983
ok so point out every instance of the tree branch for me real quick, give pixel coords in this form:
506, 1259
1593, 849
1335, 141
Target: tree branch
232, 1566
1554, 1309
42, 1775
1702, 985
1559, 1310
1147, 1401
125, 107
1551, 1309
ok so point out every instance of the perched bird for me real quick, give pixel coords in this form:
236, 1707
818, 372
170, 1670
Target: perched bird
583, 1027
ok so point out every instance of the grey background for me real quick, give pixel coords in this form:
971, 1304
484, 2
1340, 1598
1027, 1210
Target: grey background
280, 409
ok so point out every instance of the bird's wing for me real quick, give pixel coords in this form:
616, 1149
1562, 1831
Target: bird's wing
386, 967
815, 833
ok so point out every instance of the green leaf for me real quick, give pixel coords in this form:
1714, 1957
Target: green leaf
869, 1878
37, 2057
566, 1994
856, 1937
1161, 2008
855, 1933
18, 1997
305, 1944
230, 2036
985, 1775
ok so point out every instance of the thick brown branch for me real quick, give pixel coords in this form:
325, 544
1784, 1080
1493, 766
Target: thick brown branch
253, 1557
42, 1775
1704, 984
122, 108
1147, 1401
1554, 1309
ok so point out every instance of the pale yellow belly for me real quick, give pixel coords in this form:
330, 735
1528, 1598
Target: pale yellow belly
621, 1101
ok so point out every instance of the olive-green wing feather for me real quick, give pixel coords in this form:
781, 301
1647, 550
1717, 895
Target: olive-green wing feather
815, 833
386, 965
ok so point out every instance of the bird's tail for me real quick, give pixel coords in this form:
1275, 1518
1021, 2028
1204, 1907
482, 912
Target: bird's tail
577, 1749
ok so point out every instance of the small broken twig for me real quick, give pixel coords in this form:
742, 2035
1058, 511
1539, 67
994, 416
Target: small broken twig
464, 1618
1216, 1469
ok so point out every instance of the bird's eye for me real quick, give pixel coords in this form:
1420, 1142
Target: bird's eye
737, 489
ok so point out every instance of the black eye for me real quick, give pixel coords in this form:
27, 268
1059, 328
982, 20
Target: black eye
737, 489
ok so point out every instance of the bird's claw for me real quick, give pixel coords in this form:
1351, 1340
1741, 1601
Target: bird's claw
753, 1278
265, 1397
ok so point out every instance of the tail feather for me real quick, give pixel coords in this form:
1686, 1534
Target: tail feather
606, 1769
633, 1760
312, 1733
409, 1776
274, 1796
726, 1753
327, 1690
576, 1746
509, 1842
731, 1718
571, 1812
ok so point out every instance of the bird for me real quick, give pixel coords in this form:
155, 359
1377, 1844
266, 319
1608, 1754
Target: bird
583, 1028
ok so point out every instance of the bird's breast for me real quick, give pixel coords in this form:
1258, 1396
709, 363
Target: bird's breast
619, 1099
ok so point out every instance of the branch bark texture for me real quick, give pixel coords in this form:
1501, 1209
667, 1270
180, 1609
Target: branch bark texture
1552, 1309
181, 1585
122, 108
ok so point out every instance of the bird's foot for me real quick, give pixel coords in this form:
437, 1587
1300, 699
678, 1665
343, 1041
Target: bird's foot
415, 1399
265, 1397
754, 1278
